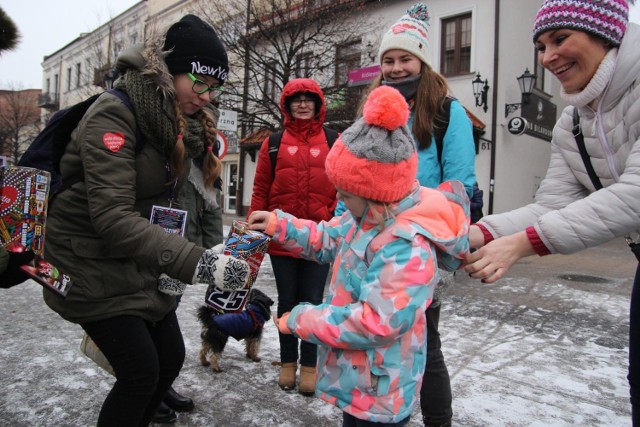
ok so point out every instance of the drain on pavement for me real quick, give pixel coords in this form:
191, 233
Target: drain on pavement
583, 278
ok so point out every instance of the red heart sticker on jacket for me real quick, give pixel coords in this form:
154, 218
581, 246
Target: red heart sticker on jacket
113, 140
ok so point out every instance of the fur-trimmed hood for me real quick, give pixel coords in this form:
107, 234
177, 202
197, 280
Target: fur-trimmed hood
148, 58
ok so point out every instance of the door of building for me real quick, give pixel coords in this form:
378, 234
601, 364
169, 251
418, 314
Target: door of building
231, 186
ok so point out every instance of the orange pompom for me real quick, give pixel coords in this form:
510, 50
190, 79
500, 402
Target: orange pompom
386, 107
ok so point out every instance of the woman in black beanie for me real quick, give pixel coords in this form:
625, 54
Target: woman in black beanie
132, 160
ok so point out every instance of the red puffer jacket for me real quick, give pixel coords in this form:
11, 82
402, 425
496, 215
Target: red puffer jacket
300, 185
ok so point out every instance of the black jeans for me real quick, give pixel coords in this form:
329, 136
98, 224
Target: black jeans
146, 358
297, 280
349, 420
435, 394
634, 350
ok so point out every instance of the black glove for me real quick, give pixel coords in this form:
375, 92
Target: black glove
13, 275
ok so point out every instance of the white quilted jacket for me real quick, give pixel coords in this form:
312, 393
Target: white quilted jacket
567, 213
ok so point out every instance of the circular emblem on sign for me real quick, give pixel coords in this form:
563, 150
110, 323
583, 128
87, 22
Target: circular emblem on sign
224, 145
517, 126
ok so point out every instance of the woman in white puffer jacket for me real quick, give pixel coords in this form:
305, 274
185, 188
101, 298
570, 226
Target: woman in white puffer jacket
592, 49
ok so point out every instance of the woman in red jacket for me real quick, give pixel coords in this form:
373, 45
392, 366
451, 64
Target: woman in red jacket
299, 185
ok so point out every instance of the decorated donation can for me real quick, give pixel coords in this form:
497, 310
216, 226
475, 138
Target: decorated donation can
23, 207
24, 195
246, 244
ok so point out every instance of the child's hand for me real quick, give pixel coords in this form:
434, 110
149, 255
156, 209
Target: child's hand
258, 220
281, 323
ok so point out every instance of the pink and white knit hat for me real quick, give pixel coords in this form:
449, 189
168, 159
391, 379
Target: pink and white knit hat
410, 33
375, 158
606, 19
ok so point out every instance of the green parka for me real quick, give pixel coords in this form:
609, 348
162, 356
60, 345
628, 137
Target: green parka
98, 231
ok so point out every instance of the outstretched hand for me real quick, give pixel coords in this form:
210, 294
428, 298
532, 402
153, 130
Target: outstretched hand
281, 323
258, 220
492, 261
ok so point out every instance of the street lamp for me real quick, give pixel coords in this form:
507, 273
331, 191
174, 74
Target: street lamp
371, 53
480, 90
526, 82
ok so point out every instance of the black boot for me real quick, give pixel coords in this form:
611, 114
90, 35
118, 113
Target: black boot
177, 401
433, 423
164, 415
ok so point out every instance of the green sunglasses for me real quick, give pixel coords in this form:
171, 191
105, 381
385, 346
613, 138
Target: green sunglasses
201, 87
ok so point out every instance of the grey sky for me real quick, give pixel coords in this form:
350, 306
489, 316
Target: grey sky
47, 26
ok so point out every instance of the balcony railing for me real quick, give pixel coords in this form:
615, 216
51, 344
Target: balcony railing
297, 11
50, 101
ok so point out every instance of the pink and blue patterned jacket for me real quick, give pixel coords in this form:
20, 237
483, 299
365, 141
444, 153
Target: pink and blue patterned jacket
371, 329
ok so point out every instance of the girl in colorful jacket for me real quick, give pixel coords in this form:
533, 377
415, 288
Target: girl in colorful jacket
371, 328
406, 65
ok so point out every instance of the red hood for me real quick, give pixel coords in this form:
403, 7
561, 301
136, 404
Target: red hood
302, 126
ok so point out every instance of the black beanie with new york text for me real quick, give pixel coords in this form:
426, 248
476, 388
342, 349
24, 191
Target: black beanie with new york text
194, 47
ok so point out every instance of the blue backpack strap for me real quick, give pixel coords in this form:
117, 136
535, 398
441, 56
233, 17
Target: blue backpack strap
63, 134
124, 97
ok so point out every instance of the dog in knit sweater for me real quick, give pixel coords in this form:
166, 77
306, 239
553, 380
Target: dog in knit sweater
248, 324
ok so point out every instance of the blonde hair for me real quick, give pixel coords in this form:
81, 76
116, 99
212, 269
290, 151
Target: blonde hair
211, 165
380, 211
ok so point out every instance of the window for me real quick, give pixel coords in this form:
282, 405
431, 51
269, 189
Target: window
538, 70
270, 81
68, 79
56, 83
118, 45
133, 34
87, 75
456, 45
347, 59
303, 65
48, 86
78, 75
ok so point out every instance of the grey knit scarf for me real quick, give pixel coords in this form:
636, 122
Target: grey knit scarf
156, 122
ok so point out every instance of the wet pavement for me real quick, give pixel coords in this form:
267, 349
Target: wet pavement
545, 346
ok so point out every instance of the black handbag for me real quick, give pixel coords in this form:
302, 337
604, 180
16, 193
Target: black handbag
577, 134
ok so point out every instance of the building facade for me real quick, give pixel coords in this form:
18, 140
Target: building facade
486, 41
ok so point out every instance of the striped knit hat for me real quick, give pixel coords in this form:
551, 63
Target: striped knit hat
375, 158
410, 34
606, 19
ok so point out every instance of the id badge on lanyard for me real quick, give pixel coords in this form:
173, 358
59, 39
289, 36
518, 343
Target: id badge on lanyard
172, 221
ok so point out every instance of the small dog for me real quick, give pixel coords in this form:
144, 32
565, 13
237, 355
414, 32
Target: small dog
218, 327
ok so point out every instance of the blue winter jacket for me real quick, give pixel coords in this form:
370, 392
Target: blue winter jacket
458, 155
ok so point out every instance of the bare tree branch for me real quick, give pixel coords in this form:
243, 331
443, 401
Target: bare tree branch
277, 41
19, 121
